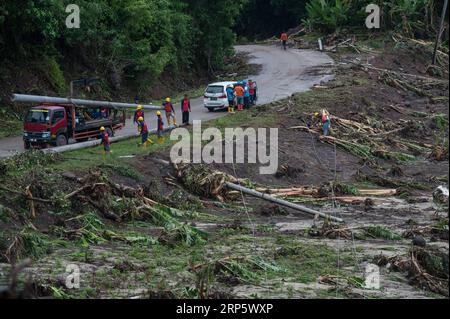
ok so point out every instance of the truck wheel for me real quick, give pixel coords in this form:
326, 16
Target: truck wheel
109, 131
26, 145
61, 140
211, 109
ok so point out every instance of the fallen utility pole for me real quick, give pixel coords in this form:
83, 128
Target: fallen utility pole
23, 98
282, 202
439, 34
269, 198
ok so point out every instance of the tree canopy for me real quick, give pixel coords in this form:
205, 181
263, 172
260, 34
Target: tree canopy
134, 37
140, 39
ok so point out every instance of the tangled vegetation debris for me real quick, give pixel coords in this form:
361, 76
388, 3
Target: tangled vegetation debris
369, 142
203, 181
427, 268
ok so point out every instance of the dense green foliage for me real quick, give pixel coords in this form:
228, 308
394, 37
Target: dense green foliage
137, 39
412, 17
265, 18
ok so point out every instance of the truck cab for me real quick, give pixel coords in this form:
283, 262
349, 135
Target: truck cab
55, 125
45, 125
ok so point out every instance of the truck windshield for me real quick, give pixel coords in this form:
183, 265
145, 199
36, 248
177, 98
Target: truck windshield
38, 116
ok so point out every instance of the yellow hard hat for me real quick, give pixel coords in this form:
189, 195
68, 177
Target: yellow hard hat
168, 99
141, 119
316, 114
139, 107
102, 128
158, 113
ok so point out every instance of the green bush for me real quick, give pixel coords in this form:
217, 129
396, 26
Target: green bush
327, 15
51, 70
140, 39
411, 17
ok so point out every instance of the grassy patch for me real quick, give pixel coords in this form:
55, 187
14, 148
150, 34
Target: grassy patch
309, 261
30, 243
86, 158
246, 118
122, 169
382, 233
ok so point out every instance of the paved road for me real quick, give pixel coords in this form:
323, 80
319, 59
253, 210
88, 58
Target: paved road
283, 73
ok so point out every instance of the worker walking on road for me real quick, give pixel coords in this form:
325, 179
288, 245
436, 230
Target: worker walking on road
170, 112
143, 130
105, 140
185, 109
160, 129
284, 39
326, 122
230, 97
139, 113
239, 92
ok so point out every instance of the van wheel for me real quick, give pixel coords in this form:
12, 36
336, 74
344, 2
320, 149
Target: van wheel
61, 140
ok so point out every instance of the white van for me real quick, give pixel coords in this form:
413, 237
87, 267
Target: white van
215, 97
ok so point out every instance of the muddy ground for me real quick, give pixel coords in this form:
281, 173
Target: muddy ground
141, 232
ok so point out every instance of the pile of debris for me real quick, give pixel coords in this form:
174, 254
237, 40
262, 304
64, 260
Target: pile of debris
337, 191
379, 140
203, 181
83, 208
427, 268
426, 49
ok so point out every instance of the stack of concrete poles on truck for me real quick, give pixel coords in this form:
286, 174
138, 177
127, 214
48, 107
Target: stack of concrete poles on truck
54, 121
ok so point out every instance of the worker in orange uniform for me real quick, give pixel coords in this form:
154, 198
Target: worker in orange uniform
139, 113
239, 92
105, 140
284, 38
170, 112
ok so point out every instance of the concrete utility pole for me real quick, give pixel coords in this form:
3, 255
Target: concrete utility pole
24, 98
439, 34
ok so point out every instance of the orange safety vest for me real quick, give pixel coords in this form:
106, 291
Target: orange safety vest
239, 91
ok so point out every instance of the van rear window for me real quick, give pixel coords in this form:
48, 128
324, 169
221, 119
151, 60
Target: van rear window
214, 89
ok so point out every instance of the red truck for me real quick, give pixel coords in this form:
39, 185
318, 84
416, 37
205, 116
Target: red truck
54, 125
